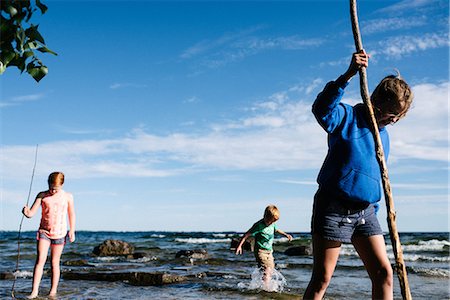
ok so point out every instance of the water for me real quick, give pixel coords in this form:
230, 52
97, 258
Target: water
223, 275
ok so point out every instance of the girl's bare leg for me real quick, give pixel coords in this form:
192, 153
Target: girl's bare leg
56, 258
372, 251
326, 254
42, 251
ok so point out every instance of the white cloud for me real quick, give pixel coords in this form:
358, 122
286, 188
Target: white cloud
18, 100
209, 45
383, 25
115, 86
396, 47
298, 182
232, 47
278, 134
423, 133
406, 5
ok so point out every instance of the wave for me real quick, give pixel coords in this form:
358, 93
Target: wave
430, 272
160, 236
431, 245
223, 235
108, 258
144, 259
416, 257
23, 274
202, 240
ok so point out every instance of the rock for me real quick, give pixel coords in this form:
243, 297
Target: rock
76, 263
113, 248
6, 276
298, 251
142, 278
195, 254
248, 245
138, 255
134, 278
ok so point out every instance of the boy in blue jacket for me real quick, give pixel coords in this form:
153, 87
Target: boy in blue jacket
346, 202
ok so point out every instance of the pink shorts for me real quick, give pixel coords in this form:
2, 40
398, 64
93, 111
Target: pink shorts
43, 236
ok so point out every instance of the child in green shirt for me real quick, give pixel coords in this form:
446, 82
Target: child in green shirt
264, 231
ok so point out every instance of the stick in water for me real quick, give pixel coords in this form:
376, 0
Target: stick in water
395, 239
20, 226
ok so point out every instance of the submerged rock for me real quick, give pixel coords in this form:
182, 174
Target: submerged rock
195, 254
137, 255
298, 251
76, 263
113, 248
134, 278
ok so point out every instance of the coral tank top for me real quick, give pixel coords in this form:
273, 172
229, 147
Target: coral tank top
54, 214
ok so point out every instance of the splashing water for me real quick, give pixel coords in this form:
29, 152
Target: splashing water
276, 283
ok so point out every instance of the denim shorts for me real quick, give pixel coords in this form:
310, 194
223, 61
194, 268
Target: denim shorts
334, 220
43, 236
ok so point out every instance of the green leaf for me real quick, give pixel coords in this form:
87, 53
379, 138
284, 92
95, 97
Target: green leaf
37, 72
41, 6
31, 45
27, 54
19, 62
7, 57
46, 50
2, 68
34, 34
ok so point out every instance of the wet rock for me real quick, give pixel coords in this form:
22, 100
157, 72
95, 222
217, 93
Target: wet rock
298, 251
195, 254
134, 278
143, 279
6, 276
138, 255
76, 263
113, 248
248, 245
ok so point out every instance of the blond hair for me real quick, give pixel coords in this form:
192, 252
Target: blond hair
392, 96
271, 211
56, 179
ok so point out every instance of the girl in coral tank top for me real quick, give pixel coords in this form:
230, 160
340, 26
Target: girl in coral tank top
56, 205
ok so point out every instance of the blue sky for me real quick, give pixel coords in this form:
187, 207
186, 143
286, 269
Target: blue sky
193, 116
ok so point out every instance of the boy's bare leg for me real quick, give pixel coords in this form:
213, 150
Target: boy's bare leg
56, 258
326, 254
267, 276
372, 251
42, 252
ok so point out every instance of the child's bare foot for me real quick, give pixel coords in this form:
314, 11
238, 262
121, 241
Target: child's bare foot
32, 296
52, 295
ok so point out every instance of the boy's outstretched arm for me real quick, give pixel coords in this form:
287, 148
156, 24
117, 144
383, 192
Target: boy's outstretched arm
289, 237
244, 237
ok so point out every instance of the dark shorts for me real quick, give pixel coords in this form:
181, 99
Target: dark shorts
43, 236
335, 220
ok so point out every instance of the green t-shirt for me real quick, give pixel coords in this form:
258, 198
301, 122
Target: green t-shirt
263, 234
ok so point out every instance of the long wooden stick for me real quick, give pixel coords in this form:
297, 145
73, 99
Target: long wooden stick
395, 239
20, 227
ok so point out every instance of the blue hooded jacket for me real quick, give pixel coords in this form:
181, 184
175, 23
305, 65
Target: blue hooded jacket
350, 171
